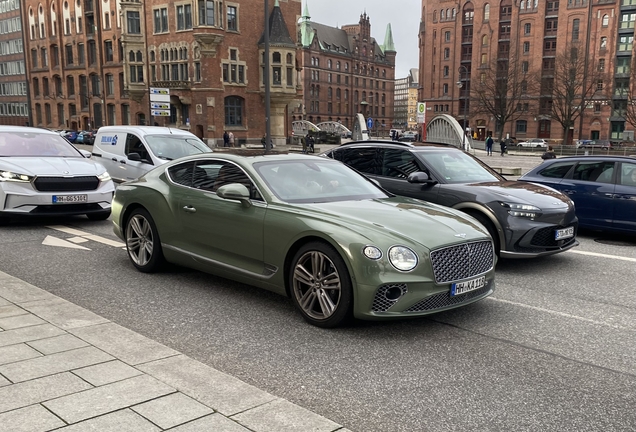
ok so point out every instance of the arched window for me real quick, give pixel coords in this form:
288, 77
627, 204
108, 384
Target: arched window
442, 15
152, 56
469, 14
233, 111
329, 63
484, 40
276, 57
434, 15
575, 29
131, 56
140, 57
337, 65
487, 12
605, 21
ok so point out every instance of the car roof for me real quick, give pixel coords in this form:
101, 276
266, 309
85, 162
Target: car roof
26, 129
590, 157
397, 144
144, 130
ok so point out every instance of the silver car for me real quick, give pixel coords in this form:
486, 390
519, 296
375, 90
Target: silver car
42, 174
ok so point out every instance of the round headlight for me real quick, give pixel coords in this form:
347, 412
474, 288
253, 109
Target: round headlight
402, 258
372, 252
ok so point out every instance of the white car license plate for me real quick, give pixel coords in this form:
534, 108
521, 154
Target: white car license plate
69, 198
564, 233
464, 287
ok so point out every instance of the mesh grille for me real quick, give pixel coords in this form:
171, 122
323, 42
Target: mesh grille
381, 303
66, 209
462, 261
444, 299
61, 184
545, 237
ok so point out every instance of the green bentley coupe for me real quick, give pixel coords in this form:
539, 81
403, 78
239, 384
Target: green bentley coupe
307, 227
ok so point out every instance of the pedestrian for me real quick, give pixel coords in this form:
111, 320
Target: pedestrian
504, 146
310, 143
549, 154
489, 142
303, 141
231, 136
264, 140
226, 139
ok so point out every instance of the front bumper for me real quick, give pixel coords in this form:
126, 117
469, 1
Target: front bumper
22, 199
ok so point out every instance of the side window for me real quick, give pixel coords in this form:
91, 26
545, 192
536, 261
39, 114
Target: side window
594, 172
557, 170
399, 163
365, 160
182, 173
628, 174
134, 145
211, 175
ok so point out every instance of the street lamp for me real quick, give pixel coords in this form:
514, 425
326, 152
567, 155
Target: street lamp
463, 69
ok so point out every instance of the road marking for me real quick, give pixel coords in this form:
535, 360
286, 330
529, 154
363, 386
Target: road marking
82, 236
54, 241
617, 257
562, 314
104, 240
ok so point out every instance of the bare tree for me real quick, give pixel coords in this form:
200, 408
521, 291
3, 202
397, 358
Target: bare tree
575, 83
502, 91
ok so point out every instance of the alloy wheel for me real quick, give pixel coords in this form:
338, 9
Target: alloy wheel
316, 284
139, 240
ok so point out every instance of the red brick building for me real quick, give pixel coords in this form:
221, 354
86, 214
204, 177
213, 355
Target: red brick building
13, 87
473, 33
345, 72
93, 63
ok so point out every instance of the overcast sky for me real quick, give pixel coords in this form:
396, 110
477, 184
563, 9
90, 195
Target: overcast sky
404, 16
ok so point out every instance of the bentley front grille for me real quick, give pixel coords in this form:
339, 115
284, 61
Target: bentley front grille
462, 261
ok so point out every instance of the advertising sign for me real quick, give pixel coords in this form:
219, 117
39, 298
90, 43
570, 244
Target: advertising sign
159, 102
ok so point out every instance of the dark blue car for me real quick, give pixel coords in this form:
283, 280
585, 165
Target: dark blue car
603, 188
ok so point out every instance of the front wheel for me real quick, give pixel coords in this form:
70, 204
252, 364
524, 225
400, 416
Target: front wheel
142, 241
320, 285
492, 230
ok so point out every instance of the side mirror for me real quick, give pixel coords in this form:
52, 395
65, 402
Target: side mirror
420, 177
85, 153
235, 191
134, 157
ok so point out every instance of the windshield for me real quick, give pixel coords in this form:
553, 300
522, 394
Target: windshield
36, 144
458, 167
303, 181
171, 147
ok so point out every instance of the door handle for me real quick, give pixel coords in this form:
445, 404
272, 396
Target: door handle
114, 159
123, 161
189, 209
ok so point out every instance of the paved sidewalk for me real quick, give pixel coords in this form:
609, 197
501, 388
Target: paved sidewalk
65, 368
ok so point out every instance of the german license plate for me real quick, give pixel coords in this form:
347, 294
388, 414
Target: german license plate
69, 198
564, 233
464, 287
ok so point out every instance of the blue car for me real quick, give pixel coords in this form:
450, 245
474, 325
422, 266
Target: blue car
603, 189
71, 136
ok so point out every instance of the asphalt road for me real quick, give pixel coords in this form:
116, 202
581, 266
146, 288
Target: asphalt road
554, 349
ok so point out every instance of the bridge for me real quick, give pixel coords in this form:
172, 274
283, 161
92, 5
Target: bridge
444, 129
301, 127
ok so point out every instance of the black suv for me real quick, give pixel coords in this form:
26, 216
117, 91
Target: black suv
525, 220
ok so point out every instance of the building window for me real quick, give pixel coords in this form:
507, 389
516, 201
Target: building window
232, 18
125, 114
55, 56
527, 28
184, 17
445, 89
605, 21
447, 36
95, 87
575, 29
110, 85
484, 59
70, 85
45, 87
522, 126
234, 70
627, 20
446, 71
110, 114
526, 47
603, 42
134, 22
625, 43
136, 70
36, 87
57, 80
68, 49
206, 12
487, 12
108, 51
601, 65
599, 84
233, 111
446, 53
160, 20
44, 57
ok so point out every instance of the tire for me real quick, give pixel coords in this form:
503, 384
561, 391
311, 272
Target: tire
98, 216
487, 223
318, 272
142, 242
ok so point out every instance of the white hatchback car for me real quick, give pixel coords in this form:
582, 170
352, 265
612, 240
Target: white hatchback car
534, 142
42, 174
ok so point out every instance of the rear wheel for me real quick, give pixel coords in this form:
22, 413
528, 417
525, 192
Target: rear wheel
320, 285
142, 241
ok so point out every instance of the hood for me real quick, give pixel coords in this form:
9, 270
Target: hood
52, 166
518, 192
430, 225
